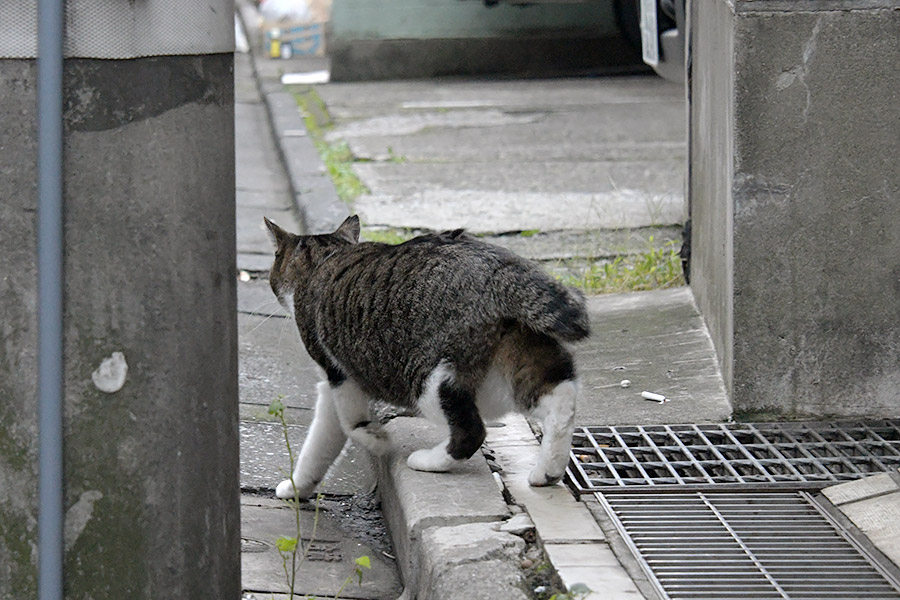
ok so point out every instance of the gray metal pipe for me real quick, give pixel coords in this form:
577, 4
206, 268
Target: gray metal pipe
51, 515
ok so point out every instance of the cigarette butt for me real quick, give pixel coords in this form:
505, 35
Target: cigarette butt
654, 397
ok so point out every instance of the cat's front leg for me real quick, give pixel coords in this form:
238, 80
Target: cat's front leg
321, 447
556, 411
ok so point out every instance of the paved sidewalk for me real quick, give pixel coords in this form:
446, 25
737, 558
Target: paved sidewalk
605, 155
560, 171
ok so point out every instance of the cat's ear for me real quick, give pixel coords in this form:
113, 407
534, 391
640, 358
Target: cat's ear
278, 235
349, 229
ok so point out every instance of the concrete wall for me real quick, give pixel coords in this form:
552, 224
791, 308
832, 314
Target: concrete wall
383, 39
711, 113
795, 184
151, 470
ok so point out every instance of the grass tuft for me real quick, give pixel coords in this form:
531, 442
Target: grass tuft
390, 235
656, 268
337, 156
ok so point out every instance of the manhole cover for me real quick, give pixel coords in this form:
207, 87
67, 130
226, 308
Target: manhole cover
795, 455
761, 545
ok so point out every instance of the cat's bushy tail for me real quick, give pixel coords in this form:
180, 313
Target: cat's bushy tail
550, 308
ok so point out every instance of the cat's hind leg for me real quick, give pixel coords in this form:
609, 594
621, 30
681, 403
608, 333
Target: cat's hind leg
542, 374
321, 447
556, 411
352, 406
445, 402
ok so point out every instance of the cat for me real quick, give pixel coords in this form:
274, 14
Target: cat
457, 328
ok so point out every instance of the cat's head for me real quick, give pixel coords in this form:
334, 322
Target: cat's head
296, 256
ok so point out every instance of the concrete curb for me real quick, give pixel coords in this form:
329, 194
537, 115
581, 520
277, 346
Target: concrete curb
315, 198
450, 530
441, 522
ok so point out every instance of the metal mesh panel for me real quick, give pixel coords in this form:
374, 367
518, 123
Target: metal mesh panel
793, 454
743, 545
120, 29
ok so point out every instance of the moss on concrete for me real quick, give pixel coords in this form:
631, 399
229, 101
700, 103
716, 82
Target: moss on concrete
18, 572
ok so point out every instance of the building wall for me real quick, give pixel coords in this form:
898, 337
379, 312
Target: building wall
810, 204
383, 39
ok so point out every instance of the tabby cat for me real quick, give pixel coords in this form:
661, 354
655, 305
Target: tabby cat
445, 324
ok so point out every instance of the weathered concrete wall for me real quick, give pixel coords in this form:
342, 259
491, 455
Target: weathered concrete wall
809, 207
710, 171
151, 470
18, 328
388, 39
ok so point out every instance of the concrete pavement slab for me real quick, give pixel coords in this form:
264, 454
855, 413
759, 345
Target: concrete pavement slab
264, 199
330, 560
620, 132
872, 504
257, 164
252, 235
484, 198
659, 342
245, 89
877, 518
368, 99
273, 363
253, 262
255, 297
265, 462
599, 178
861, 489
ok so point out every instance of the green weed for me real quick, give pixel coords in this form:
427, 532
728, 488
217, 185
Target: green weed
293, 552
337, 156
656, 268
391, 235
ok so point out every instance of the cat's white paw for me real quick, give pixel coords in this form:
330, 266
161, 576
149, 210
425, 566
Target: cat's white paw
540, 476
285, 490
435, 460
372, 437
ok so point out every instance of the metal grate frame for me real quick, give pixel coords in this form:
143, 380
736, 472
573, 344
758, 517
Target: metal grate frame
794, 455
737, 546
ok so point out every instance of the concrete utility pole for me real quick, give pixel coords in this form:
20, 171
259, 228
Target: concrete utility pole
151, 490
794, 189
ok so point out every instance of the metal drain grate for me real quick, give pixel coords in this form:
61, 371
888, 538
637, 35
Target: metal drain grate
791, 455
759, 545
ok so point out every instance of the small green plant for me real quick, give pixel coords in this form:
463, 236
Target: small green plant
291, 548
656, 268
395, 158
339, 164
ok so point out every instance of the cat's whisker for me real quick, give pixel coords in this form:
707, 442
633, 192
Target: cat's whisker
260, 324
281, 332
266, 303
